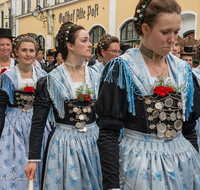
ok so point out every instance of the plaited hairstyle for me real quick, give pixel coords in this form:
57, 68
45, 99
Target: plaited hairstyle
24, 38
62, 48
106, 45
152, 12
197, 51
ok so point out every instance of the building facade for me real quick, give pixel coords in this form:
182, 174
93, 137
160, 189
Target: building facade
96, 16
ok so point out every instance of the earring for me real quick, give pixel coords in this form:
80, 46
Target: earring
72, 51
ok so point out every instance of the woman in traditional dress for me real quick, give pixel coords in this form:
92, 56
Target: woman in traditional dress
108, 48
6, 49
72, 157
16, 99
155, 152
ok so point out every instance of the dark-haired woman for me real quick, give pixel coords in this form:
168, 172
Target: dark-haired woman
72, 159
155, 152
108, 48
16, 100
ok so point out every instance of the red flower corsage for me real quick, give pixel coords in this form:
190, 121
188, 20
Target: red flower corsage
83, 97
161, 90
28, 89
3, 70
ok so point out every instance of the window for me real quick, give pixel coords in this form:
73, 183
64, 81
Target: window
10, 18
95, 35
29, 6
23, 6
128, 34
57, 1
41, 41
2, 19
37, 2
44, 3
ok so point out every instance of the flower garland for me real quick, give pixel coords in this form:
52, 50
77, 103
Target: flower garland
84, 96
3, 70
27, 89
164, 86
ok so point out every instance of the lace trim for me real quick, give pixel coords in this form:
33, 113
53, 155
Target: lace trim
20, 80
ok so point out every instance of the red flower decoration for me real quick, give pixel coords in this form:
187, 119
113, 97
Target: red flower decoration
28, 89
161, 90
83, 97
3, 70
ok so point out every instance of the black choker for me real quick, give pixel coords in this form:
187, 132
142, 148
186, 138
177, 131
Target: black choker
4, 59
149, 53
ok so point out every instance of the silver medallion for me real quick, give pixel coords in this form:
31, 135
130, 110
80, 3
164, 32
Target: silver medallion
147, 101
168, 102
92, 104
79, 111
180, 105
22, 97
149, 109
27, 107
75, 109
77, 116
71, 119
81, 117
25, 97
17, 98
161, 128
85, 110
173, 133
152, 126
150, 118
160, 135
179, 116
159, 105
89, 109
173, 116
78, 125
178, 124
17, 93
155, 114
83, 130
168, 133
29, 98
162, 116
169, 109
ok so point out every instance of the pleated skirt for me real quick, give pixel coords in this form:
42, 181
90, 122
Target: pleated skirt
73, 159
150, 163
14, 146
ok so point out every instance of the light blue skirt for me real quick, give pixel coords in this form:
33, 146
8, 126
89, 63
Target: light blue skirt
14, 146
149, 163
73, 159
198, 132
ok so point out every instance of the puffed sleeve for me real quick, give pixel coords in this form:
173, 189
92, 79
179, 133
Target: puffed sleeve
188, 129
112, 109
41, 107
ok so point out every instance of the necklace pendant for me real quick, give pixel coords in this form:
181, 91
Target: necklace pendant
78, 66
4, 59
156, 56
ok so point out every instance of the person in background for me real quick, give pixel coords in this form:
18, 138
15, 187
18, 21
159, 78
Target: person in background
108, 48
6, 49
16, 110
40, 62
176, 50
187, 55
50, 56
158, 148
58, 60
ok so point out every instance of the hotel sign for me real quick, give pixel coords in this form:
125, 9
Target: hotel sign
80, 13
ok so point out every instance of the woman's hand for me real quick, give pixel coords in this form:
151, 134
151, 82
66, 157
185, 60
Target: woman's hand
30, 170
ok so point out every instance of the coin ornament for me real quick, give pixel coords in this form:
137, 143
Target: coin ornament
160, 135
180, 105
162, 116
168, 133
152, 126
168, 102
178, 124
75, 109
173, 133
26, 108
155, 114
173, 116
161, 128
159, 105
150, 118
179, 116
